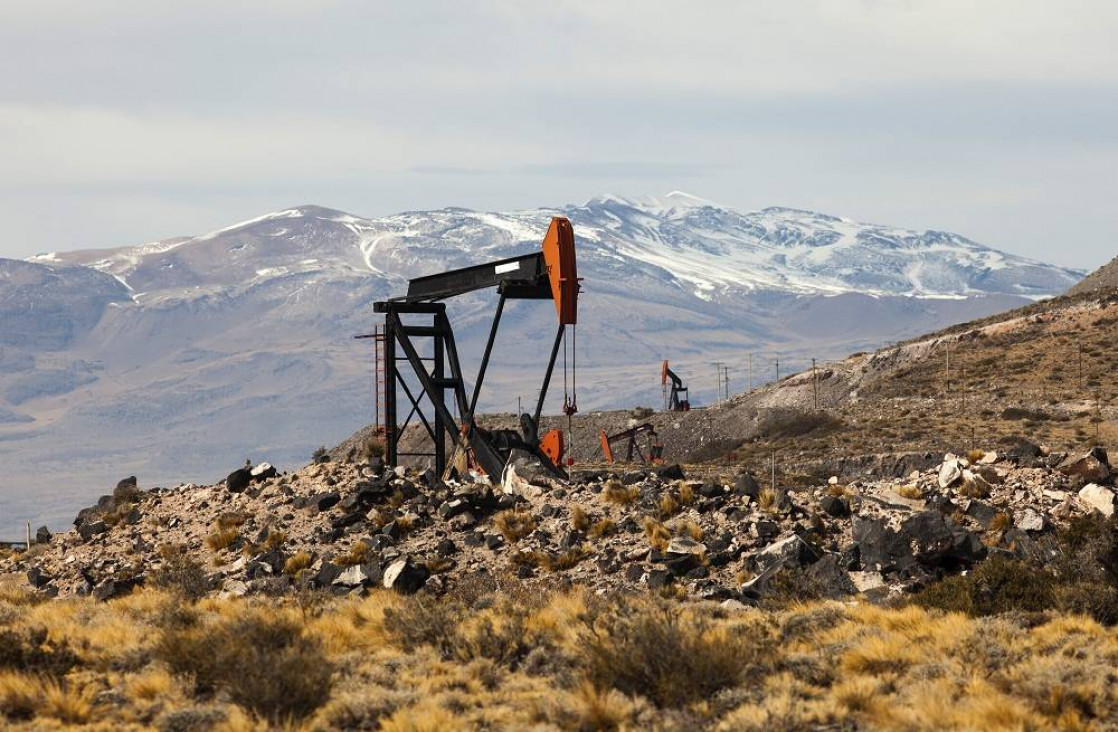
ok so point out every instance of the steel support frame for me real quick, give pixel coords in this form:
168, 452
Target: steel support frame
400, 346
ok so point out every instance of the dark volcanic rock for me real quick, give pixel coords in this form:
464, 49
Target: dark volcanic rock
746, 485
405, 577
238, 480
879, 547
324, 501
1094, 467
834, 506
671, 472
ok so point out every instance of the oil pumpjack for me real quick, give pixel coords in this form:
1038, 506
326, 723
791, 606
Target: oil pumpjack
549, 274
677, 401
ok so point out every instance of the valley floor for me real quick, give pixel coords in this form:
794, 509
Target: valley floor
513, 656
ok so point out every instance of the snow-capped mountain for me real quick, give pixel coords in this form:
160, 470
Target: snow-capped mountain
699, 247
180, 358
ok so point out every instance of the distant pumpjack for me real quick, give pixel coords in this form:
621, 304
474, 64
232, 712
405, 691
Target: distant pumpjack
653, 450
676, 400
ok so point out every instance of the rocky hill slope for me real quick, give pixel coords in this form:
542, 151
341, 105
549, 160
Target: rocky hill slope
1102, 279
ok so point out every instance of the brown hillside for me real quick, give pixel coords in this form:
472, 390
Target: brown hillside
1103, 278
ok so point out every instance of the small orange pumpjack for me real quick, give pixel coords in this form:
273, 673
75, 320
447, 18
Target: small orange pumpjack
653, 452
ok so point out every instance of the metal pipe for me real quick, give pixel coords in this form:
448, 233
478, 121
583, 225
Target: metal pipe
547, 376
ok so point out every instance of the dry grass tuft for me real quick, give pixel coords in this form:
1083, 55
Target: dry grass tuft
274, 540
690, 529
767, 499
231, 519
658, 534
975, 488
686, 494
1001, 522
297, 563
911, 492
614, 491
514, 524
359, 553
602, 528
223, 538
580, 519
668, 505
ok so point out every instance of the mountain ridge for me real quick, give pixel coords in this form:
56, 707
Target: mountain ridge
758, 245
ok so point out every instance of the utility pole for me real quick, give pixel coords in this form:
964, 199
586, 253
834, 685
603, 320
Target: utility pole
815, 384
948, 368
519, 409
750, 371
726, 381
1098, 418
773, 469
778, 368
963, 367
718, 388
1080, 367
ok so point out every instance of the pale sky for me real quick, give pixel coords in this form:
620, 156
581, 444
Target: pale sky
129, 121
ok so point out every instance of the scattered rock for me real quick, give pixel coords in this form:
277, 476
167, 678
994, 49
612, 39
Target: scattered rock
1097, 498
950, 473
1093, 466
405, 577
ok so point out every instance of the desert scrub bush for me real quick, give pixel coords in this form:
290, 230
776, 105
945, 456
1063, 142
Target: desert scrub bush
614, 491
126, 492
997, 585
261, 659
419, 621
223, 538
514, 524
25, 697
30, 651
652, 649
180, 574
373, 449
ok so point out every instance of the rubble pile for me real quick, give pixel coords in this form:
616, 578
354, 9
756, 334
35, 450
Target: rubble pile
345, 527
